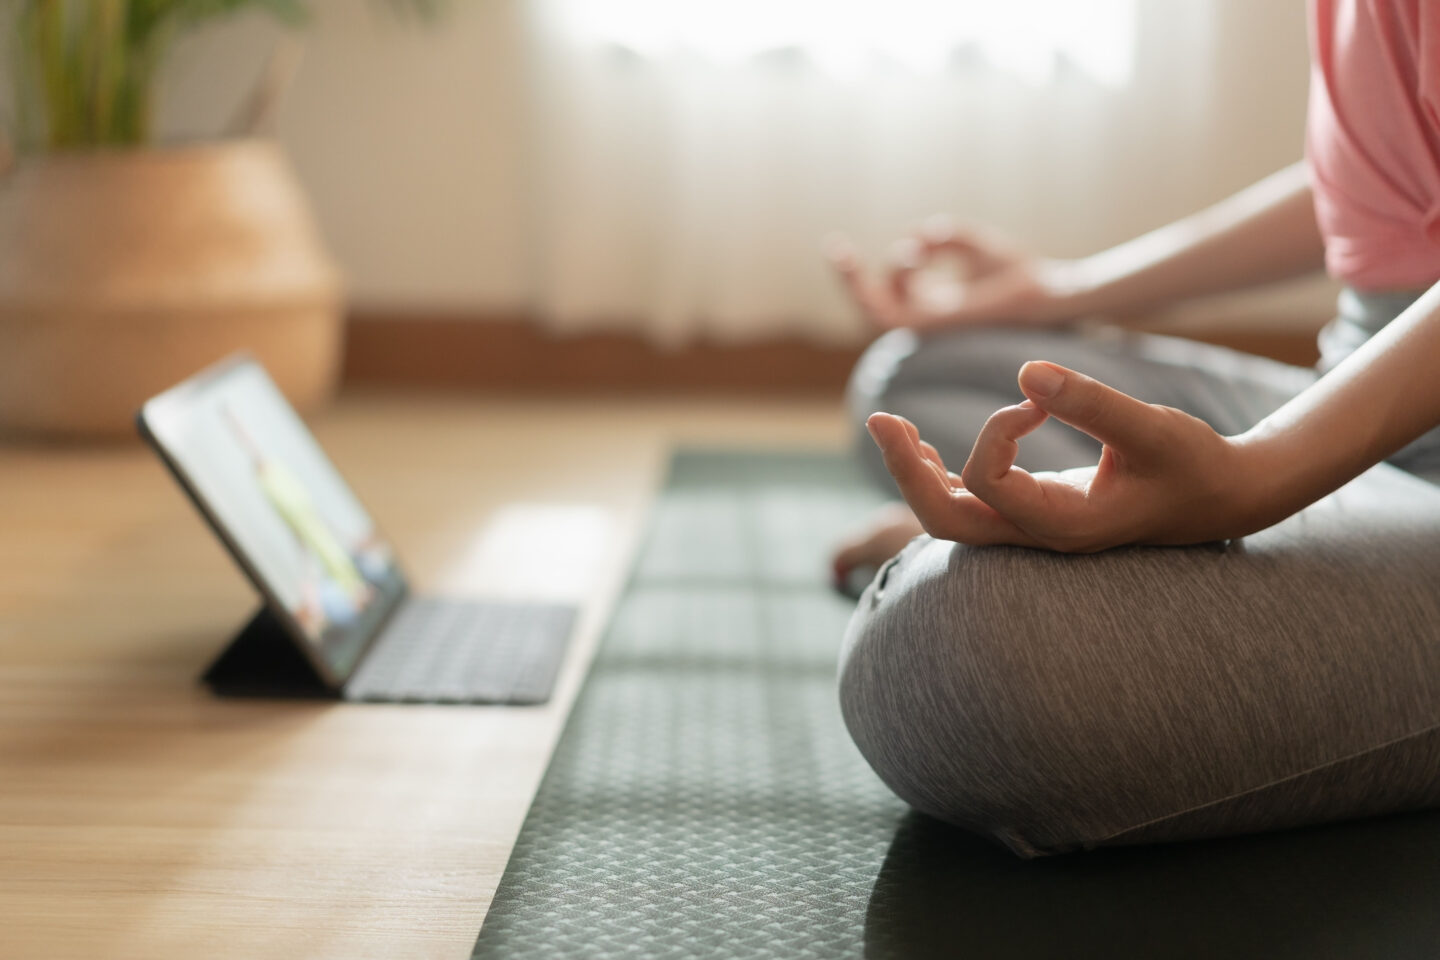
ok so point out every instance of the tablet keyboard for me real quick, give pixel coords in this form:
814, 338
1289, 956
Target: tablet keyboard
437, 650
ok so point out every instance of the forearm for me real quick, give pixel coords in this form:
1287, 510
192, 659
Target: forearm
1265, 233
1379, 399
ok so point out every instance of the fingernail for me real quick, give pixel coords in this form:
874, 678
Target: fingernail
1041, 379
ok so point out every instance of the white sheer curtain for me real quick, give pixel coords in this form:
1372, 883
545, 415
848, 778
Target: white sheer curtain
691, 153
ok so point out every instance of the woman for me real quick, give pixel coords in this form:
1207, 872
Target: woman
1141, 694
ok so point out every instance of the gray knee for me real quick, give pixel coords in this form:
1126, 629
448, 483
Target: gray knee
948, 385
872, 387
921, 379
901, 363
877, 373
937, 692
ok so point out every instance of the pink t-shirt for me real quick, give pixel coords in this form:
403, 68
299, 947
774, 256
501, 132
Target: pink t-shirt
1373, 140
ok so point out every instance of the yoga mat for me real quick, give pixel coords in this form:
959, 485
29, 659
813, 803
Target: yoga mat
705, 801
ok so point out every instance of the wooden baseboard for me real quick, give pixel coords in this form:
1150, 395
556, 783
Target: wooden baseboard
510, 354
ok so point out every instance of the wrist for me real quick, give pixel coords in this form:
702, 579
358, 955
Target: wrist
1074, 288
1065, 291
1269, 480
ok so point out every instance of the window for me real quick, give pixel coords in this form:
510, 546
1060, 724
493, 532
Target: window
1029, 39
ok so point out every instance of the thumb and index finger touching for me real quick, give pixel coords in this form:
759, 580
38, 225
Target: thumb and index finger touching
1112, 417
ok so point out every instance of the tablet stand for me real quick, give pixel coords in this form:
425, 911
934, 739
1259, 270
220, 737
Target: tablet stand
262, 662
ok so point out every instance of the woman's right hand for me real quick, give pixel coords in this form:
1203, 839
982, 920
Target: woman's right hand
995, 282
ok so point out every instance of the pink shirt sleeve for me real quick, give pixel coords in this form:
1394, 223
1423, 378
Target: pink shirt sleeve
1373, 140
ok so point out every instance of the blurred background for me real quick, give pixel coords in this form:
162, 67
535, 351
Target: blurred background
500, 177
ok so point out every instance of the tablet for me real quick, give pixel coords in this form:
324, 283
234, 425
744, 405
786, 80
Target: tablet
281, 508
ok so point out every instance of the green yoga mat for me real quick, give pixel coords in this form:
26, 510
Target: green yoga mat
705, 801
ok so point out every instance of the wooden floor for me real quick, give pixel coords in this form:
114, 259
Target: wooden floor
142, 818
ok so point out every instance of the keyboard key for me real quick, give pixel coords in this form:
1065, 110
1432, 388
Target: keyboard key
437, 650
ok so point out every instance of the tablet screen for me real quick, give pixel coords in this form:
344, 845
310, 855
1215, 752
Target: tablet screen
282, 508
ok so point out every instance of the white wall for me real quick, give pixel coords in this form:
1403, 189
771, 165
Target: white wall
409, 137
412, 138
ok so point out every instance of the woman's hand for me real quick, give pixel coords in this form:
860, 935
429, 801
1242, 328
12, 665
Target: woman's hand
994, 281
1164, 477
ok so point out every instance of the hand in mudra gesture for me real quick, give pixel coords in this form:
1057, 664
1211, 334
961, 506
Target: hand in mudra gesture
1164, 477
992, 281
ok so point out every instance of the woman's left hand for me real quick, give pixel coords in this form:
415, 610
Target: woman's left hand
1164, 477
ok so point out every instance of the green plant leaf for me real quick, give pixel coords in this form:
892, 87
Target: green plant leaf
84, 70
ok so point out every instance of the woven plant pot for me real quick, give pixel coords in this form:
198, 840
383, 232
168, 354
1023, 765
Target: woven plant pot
124, 272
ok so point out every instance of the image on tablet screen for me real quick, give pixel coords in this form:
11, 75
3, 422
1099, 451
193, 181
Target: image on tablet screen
284, 507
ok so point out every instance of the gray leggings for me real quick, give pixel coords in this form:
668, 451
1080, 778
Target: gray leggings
1144, 694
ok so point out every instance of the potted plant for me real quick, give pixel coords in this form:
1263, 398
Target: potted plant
126, 266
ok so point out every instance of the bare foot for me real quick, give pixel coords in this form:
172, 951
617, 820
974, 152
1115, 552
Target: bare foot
883, 536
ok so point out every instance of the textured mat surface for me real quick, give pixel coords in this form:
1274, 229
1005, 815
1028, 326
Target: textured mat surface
704, 800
